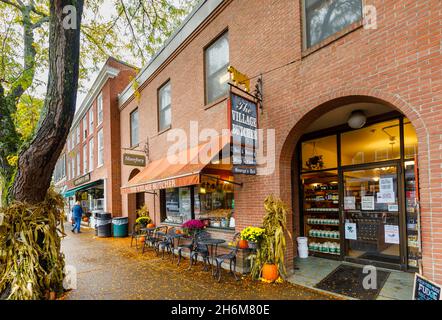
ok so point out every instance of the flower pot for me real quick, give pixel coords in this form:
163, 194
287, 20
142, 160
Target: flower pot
270, 272
243, 244
253, 244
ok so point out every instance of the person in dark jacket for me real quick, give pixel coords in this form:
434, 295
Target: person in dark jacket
77, 213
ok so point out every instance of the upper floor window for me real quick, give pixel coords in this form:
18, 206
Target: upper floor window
69, 143
165, 107
78, 164
85, 158
91, 154
91, 120
323, 18
134, 134
100, 109
84, 128
217, 62
77, 134
100, 148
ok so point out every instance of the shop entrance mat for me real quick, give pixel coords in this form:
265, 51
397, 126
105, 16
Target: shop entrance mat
349, 281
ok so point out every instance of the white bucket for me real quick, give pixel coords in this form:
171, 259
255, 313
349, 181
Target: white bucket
303, 254
302, 240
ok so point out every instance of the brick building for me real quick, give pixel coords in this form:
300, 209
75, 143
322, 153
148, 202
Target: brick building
355, 104
89, 168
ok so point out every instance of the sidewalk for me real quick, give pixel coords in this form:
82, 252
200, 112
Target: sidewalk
108, 268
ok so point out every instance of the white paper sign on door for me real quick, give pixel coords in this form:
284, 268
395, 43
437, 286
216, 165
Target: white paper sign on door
367, 203
349, 203
350, 231
386, 197
386, 185
391, 234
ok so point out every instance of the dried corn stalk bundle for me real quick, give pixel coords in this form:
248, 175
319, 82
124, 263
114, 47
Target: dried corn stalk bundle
31, 264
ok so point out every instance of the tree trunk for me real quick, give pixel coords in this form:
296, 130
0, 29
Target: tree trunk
37, 162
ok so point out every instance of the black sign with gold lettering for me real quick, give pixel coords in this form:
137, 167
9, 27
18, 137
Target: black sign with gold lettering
82, 179
135, 160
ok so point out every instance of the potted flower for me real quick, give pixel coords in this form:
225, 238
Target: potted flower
253, 235
143, 218
191, 227
268, 262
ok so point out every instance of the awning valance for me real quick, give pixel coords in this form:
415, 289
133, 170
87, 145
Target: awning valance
72, 192
180, 169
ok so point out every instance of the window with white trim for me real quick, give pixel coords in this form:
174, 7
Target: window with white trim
134, 134
217, 62
78, 164
164, 107
100, 109
85, 158
91, 154
323, 18
100, 148
77, 134
91, 120
85, 127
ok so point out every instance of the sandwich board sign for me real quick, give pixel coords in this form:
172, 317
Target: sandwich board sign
425, 289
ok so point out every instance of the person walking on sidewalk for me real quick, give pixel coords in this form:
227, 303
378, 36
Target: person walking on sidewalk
77, 213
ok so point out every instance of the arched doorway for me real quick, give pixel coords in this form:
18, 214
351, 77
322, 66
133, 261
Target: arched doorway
355, 190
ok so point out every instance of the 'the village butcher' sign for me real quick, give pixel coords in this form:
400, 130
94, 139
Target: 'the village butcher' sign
244, 127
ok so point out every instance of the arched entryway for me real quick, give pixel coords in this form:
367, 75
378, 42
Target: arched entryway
363, 180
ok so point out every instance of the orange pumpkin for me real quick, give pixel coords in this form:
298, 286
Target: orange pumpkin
142, 239
270, 272
179, 231
243, 244
151, 225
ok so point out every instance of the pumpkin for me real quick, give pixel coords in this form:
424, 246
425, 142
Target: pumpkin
270, 272
85, 219
179, 231
151, 225
142, 239
243, 244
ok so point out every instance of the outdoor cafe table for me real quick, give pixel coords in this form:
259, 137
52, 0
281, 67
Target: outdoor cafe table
212, 243
150, 231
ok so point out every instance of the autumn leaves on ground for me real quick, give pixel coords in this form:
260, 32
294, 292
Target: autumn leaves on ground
108, 268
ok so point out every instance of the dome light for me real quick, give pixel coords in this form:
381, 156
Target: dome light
357, 119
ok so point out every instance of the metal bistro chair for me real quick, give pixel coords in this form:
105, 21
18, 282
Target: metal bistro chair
200, 249
166, 245
155, 236
181, 247
136, 234
230, 257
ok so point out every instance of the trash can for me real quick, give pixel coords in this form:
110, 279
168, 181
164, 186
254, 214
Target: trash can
120, 227
103, 224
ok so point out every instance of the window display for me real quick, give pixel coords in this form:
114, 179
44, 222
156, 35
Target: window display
321, 212
178, 205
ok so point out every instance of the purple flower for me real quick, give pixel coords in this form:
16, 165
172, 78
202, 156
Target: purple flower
193, 224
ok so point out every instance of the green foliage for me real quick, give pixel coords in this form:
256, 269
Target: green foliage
32, 264
272, 247
253, 234
27, 115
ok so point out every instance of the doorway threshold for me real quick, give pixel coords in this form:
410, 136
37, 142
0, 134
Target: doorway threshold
312, 270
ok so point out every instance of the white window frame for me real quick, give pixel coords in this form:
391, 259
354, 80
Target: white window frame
77, 134
100, 109
137, 138
78, 163
91, 154
100, 157
208, 77
85, 159
85, 127
163, 109
91, 120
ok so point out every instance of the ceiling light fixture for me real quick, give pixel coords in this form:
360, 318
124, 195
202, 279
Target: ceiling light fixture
357, 119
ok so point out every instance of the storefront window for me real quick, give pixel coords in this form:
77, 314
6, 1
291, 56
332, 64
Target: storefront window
178, 205
214, 203
410, 140
319, 154
379, 142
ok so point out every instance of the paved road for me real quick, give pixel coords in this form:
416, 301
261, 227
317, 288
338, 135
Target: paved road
110, 269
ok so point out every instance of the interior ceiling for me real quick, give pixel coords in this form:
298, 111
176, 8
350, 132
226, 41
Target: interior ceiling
340, 115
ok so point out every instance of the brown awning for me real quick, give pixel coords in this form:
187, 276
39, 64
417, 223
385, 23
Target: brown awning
178, 170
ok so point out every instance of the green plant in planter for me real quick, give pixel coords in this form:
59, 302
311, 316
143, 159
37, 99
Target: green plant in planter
273, 244
143, 217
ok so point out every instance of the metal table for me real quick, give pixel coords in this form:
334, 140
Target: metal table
212, 243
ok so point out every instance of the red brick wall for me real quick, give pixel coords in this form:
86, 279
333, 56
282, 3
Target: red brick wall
397, 64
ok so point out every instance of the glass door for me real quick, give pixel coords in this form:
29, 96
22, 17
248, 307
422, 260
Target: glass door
371, 214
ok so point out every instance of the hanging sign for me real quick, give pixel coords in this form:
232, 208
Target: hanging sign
367, 203
82, 179
350, 231
134, 160
425, 289
391, 234
244, 129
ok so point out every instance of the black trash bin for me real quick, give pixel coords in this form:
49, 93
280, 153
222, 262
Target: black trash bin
103, 224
